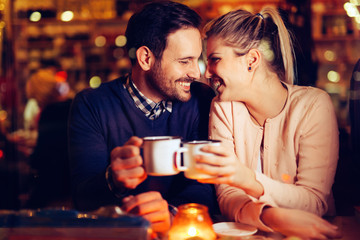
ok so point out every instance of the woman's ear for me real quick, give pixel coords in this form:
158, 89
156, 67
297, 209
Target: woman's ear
145, 57
253, 58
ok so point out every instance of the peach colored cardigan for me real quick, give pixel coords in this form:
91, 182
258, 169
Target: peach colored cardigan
300, 153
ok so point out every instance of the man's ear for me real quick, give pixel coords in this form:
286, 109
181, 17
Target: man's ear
145, 57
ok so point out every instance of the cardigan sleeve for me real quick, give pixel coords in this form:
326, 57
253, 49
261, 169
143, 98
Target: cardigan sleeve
234, 203
316, 161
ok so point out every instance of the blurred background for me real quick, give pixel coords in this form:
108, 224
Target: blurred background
81, 42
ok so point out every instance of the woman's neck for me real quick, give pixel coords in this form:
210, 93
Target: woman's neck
267, 102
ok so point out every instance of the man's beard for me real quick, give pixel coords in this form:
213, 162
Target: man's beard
158, 81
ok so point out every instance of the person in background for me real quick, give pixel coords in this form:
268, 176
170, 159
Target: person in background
160, 97
49, 159
276, 167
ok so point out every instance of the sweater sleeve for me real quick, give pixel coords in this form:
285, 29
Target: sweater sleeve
317, 161
88, 157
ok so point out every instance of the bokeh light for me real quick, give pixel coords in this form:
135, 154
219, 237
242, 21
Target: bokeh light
333, 76
35, 16
95, 82
100, 41
202, 66
330, 55
67, 16
132, 53
120, 41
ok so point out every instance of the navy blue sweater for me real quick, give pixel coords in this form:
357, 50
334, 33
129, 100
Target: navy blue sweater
106, 117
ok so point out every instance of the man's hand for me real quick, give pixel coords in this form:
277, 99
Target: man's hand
126, 164
152, 207
298, 223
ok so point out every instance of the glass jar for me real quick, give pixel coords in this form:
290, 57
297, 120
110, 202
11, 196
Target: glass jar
192, 222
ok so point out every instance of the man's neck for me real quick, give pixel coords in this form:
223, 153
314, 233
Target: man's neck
139, 79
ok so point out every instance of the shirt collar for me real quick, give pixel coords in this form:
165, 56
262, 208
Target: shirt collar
151, 109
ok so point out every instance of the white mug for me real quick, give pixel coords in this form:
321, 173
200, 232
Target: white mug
160, 154
192, 148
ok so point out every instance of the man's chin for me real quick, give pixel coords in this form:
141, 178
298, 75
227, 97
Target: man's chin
184, 97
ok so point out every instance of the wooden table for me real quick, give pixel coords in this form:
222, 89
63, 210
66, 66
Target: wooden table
348, 225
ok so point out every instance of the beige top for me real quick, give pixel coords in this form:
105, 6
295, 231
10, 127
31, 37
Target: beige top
300, 153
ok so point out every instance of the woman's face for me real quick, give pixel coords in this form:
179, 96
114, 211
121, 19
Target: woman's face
228, 71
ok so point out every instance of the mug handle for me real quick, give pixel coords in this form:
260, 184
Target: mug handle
178, 159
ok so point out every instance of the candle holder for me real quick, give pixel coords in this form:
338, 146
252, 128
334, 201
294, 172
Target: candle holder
192, 222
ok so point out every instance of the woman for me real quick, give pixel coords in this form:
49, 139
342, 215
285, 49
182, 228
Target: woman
51, 187
283, 139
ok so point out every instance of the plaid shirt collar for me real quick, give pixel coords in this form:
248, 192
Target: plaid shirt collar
151, 109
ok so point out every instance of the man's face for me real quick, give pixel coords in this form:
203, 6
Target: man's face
171, 77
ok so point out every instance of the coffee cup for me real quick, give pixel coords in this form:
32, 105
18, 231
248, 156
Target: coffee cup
160, 154
192, 148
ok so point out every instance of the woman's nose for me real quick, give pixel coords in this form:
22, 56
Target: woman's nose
207, 72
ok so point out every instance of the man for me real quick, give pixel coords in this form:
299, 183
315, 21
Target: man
159, 97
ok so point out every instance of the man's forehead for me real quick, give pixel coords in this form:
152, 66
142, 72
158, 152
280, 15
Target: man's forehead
186, 42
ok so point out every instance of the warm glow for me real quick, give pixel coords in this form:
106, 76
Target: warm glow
100, 41
357, 19
329, 55
192, 222
3, 115
95, 82
192, 232
67, 16
333, 76
192, 211
225, 9
35, 17
351, 9
1, 153
60, 76
120, 41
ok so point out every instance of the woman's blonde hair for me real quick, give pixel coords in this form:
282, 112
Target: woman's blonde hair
265, 31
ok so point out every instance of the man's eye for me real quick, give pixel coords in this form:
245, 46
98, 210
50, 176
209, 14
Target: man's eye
184, 61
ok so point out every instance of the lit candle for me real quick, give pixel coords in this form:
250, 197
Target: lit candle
192, 222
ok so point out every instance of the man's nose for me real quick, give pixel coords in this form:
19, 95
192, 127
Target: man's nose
195, 71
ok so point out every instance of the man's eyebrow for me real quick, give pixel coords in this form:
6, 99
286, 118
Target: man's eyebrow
186, 58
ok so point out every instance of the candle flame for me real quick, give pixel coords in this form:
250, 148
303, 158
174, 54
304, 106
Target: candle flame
192, 231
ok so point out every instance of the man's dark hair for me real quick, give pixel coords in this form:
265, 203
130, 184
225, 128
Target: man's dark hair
151, 26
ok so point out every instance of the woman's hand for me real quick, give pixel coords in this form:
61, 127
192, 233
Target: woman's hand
225, 168
298, 223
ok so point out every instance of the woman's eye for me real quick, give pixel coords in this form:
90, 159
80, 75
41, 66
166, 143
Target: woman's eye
214, 59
